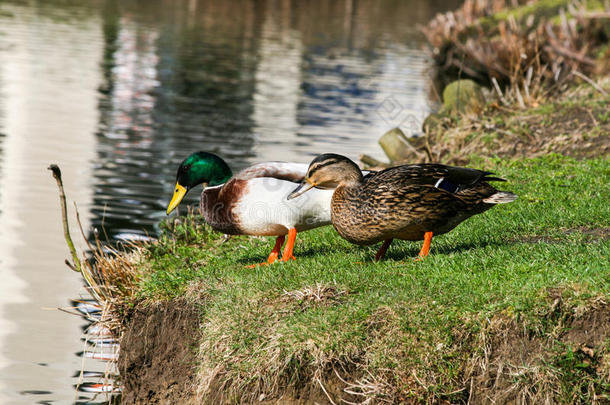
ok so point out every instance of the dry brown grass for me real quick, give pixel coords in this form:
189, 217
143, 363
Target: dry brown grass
575, 123
318, 294
525, 50
275, 370
112, 274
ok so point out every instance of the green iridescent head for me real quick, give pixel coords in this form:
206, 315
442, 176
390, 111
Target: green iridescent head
199, 168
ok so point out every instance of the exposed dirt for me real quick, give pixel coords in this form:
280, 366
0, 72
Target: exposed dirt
580, 131
602, 233
590, 234
591, 328
565, 130
514, 364
508, 353
575, 124
506, 363
157, 358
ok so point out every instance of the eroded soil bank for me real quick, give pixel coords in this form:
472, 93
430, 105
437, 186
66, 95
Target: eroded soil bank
506, 362
157, 359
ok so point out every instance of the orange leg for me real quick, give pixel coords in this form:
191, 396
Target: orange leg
274, 253
384, 248
425, 249
276, 249
292, 236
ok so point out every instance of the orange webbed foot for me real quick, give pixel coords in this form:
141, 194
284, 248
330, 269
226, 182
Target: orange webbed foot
275, 253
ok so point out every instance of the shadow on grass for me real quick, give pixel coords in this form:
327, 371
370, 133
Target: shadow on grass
399, 250
412, 251
297, 253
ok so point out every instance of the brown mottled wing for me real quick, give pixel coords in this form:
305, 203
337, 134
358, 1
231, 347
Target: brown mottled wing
414, 183
414, 208
430, 173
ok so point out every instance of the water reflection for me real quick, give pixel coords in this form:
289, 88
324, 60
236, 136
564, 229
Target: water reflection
118, 92
271, 80
49, 114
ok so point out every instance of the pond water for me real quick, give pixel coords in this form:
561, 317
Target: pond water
117, 93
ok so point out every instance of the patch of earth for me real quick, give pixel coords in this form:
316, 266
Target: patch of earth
597, 233
591, 328
568, 130
590, 234
513, 363
571, 131
505, 363
577, 125
157, 359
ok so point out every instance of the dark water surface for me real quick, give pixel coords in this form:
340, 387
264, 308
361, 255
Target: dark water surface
119, 92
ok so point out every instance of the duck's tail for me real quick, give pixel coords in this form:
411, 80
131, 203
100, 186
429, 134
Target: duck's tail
501, 197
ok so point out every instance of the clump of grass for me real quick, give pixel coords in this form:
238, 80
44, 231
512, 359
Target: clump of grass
112, 274
318, 294
187, 230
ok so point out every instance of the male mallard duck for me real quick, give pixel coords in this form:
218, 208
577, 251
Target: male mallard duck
410, 202
253, 202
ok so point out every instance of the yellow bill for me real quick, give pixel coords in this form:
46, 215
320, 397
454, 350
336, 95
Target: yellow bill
179, 194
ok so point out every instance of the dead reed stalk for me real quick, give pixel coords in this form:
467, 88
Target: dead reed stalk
530, 48
110, 274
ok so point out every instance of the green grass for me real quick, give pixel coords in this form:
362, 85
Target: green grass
398, 318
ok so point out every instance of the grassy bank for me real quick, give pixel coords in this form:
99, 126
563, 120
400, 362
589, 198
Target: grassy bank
574, 123
401, 329
513, 306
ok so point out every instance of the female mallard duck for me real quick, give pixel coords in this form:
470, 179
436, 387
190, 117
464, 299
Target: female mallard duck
410, 202
253, 202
